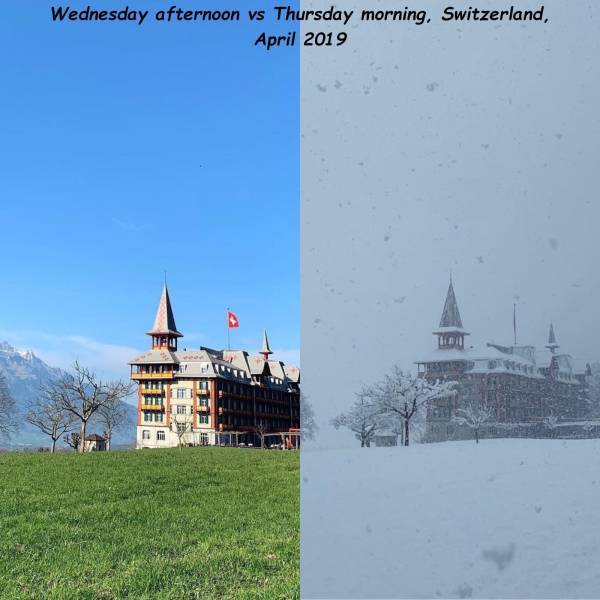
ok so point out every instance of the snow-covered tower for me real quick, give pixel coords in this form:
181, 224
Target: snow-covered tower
450, 333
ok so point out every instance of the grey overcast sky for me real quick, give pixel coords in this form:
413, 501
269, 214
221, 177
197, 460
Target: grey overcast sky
473, 148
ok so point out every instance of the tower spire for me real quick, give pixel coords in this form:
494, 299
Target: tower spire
552, 344
164, 332
450, 331
266, 349
451, 314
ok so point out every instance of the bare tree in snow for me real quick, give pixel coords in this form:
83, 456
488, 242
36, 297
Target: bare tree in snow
8, 411
473, 416
362, 419
48, 415
404, 395
308, 425
551, 422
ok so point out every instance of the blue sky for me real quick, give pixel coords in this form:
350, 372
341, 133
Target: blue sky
128, 150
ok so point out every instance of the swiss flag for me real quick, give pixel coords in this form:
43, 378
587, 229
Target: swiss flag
232, 320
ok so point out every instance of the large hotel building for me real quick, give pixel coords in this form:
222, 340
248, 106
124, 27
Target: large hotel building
208, 397
530, 392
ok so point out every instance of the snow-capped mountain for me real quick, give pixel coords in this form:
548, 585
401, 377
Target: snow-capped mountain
25, 374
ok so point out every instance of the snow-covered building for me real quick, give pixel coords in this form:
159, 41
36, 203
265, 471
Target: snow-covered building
529, 392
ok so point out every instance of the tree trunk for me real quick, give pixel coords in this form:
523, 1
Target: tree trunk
81, 441
362, 443
53, 445
477, 436
406, 432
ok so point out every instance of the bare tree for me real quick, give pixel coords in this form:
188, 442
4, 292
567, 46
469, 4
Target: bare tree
308, 425
180, 426
8, 412
83, 394
473, 416
73, 440
261, 430
113, 416
362, 419
405, 395
48, 415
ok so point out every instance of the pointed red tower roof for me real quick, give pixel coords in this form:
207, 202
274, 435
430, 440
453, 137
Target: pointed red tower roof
164, 323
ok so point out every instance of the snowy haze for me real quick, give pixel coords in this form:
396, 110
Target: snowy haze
473, 149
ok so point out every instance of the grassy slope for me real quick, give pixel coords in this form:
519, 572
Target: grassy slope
196, 523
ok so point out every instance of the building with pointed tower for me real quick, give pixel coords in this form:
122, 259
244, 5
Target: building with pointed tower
206, 396
529, 392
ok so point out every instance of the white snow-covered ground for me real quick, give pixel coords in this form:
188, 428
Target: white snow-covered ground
503, 519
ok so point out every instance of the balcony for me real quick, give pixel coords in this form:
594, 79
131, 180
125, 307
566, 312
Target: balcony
152, 391
203, 409
247, 397
137, 376
154, 407
202, 392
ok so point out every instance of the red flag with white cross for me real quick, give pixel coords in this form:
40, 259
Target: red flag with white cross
232, 320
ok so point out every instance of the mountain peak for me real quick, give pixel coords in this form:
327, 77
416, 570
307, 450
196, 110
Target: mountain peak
7, 349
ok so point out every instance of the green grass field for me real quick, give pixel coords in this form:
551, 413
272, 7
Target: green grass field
180, 524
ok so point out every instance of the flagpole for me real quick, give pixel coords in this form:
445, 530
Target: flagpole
515, 321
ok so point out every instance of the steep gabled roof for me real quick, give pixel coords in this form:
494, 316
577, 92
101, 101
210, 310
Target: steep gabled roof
164, 323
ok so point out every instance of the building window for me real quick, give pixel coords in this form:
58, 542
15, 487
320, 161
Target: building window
180, 393
204, 419
147, 416
160, 435
158, 417
145, 434
181, 409
181, 427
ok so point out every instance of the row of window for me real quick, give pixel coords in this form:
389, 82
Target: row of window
157, 417
160, 435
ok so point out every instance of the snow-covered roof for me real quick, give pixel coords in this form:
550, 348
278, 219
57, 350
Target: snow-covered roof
451, 330
493, 358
